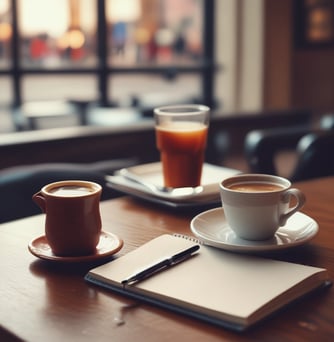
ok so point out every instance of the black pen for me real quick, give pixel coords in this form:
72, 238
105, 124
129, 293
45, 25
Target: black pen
175, 259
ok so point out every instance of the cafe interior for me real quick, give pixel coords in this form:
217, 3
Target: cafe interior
80, 80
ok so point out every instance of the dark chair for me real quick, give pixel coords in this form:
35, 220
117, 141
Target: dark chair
262, 146
315, 156
327, 121
313, 151
18, 184
227, 131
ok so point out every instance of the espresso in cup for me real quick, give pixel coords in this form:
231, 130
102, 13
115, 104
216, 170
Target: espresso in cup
256, 205
73, 222
255, 187
71, 191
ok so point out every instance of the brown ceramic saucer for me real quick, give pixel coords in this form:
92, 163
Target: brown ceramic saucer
108, 245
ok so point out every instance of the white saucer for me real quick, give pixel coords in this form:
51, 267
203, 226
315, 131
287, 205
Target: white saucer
211, 228
108, 245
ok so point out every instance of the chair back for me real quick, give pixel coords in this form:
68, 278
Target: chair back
315, 156
262, 146
327, 121
18, 184
312, 151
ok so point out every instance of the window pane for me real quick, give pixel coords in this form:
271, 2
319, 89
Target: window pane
5, 34
148, 91
49, 87
6, 121
154, 31
6, 90
57, 33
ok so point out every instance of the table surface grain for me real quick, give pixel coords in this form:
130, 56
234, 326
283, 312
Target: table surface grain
43, 301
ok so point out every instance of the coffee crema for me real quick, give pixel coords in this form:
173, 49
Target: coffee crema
255, 187
71, 191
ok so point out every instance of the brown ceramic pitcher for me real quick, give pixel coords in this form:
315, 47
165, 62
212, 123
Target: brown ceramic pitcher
73, 221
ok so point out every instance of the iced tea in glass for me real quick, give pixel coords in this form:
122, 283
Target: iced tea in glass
181, 135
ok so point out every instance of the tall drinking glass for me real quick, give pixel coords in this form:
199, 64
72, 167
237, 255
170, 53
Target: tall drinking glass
181, 135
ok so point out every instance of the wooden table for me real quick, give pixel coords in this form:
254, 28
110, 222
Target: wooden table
41, 301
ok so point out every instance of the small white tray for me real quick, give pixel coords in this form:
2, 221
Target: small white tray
152, 172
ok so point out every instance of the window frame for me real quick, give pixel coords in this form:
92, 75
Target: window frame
102, 71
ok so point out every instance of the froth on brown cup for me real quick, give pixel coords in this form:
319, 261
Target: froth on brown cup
73, 220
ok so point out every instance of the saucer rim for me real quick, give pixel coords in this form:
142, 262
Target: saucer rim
250, 248
34, 250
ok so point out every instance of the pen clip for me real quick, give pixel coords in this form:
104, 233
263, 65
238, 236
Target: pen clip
165, 263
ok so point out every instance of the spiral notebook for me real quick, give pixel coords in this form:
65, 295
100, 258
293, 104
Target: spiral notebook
227, 289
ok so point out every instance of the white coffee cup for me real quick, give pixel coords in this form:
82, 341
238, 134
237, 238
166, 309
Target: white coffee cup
256, 205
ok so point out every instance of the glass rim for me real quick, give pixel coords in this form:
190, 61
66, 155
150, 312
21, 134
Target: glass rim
172, 109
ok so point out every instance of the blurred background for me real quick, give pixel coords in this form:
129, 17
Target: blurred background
79, 80
232, 55
116, 53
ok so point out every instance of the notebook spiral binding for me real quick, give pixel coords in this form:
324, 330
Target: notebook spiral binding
187, 237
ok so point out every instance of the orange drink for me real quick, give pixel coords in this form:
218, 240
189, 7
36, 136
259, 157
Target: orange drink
181, 139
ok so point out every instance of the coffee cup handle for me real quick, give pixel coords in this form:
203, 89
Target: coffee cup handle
300, 197
39, 199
